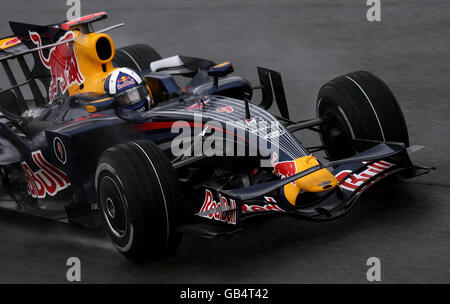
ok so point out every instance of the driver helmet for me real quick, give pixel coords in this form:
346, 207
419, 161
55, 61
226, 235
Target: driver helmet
129, 89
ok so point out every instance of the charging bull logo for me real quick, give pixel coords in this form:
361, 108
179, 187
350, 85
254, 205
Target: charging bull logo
62, 63
283, 169
352, 182
48, 180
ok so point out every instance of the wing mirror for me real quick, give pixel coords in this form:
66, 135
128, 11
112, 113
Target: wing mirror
171, 65
219, 70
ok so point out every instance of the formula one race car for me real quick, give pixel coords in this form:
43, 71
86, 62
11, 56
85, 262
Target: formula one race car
203, 159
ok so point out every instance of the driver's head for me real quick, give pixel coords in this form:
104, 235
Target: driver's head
129, 89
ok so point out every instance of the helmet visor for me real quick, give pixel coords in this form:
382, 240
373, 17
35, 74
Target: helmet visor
132, 96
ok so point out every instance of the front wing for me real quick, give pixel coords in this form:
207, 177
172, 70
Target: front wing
355, 175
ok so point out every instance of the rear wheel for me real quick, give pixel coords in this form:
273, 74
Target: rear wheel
361, 106
136, 56
136, 187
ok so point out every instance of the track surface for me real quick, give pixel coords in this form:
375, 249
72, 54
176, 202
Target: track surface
406, 225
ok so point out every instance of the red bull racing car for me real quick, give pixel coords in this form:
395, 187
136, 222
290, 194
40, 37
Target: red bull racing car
202, 159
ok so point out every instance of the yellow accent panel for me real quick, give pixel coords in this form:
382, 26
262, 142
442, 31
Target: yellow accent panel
9, 42
90, 64
321, 180
91, 109
221, 64
291, 191
149, 91
98, 100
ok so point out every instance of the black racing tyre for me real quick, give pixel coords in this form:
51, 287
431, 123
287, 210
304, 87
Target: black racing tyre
136, 56
361, 106
137, 190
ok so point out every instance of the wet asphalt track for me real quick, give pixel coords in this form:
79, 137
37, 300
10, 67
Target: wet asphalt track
406, 225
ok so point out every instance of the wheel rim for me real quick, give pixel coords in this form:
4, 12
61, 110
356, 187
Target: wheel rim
110, 208
114, 208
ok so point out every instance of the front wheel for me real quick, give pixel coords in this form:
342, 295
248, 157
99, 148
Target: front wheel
136, 187
360, 106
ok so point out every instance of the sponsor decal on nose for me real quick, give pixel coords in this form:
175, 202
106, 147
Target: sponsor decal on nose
285, 168
209, 203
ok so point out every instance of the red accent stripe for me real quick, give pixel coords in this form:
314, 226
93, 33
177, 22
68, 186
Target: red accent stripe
90, 116
66, 26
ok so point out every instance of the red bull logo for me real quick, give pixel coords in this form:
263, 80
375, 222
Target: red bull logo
125, 81
48, 180
283, 169
225, 110
352, 182
257, 208
62, 63
209, 203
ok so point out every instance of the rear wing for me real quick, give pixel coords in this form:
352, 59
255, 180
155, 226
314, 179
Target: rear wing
20, 44
16, 47
13, 49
